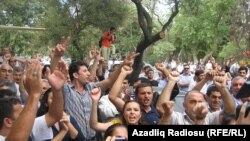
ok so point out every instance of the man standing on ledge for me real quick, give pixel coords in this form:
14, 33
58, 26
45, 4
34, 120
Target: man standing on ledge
108, 38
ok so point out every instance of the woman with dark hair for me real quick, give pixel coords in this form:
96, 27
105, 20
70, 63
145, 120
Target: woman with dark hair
67, 128
131, 113
116, 131
44, 70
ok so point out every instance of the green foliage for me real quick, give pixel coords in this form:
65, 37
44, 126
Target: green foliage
202, 24
232, 49
84, 20
161, 51
19, 13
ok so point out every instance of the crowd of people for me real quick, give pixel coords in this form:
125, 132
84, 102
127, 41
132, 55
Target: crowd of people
88, 101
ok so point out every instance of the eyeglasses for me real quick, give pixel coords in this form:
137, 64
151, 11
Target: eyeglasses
186, 68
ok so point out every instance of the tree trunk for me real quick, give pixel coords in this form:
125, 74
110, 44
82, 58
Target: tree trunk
145, 23
194, 55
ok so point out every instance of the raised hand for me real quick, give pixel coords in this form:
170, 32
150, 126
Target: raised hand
58, 78
242, 119
126, 69
91, 53
168, 108
61, 47
220, 81
95, 94
32, 80
201, 111
129, 60
97, 55
174, 76
210, 74
65, 120
159, 66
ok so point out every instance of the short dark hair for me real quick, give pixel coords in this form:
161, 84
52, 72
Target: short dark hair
18, 69
45, 68
6, 109
142, 85
11, 89
210, 89
243, 68
198, 72
7, 93
112, 28
44, 108
74, 67
111, 129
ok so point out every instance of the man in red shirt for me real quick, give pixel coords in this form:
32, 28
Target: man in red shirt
108, 38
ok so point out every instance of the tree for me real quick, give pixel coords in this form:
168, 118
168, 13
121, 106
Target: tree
23, 13
146, 25
202, 28
84, 20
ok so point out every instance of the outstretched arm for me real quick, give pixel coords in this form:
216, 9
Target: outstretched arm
114, 94
108, 83
229, 106
168, 107
209, 76
242, 119
94, 123
97, 56
32, 84
58, 52
56, 80
166, 93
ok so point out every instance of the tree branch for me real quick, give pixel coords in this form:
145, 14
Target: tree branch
145, 21
158, 18
174, 13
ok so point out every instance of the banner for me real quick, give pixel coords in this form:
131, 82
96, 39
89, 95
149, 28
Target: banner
188, 132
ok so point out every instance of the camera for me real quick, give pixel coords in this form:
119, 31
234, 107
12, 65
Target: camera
246, 112
120, 139
244, 90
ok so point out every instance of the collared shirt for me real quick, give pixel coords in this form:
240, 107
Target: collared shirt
106, 108
162, 83
178, 118
80, 106
185, 78
150, 118
210, 110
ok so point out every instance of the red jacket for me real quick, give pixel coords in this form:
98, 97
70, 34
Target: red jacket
108, 38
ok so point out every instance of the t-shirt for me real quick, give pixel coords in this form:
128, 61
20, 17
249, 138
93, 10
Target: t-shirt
107, 39
40, 130
2, 138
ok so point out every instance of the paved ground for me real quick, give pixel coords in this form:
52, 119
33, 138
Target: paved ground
178, 102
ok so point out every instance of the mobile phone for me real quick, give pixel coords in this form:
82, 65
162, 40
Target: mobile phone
120, 139
244, 90
246, 112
